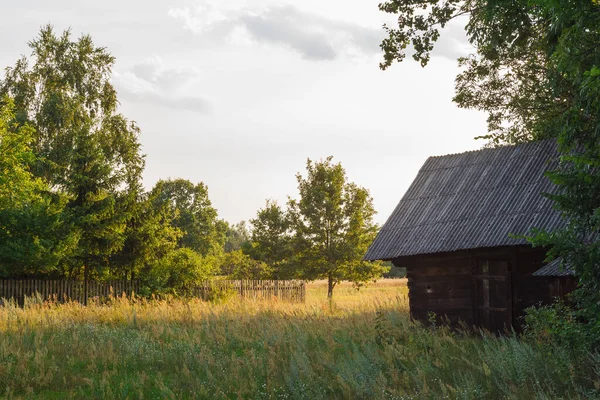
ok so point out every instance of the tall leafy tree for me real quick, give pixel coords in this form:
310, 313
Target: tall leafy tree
197, 219
86, 150
536, 72
272, 239
333, 226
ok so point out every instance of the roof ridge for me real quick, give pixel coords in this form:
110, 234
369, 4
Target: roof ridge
500, 147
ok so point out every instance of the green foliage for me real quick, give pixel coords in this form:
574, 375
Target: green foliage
417, 28
333, 226
17, 183
180, 270
557, 325
195, 216
32, 240
272, 239
237, 237
323, 234
71, 199
221, 294
85, 150
394, 272
237, 265
149, 236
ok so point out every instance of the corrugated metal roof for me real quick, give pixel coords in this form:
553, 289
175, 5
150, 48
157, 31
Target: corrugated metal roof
554, 268
472, 200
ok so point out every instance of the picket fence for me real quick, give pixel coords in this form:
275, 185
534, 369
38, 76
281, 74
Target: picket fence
291, 290
61, 290
70, 290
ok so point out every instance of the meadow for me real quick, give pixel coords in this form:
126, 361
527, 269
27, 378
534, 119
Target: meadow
361, 345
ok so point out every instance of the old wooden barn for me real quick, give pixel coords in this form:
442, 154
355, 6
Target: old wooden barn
454, 232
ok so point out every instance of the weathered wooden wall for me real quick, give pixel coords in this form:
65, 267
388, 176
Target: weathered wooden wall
446, 284
443, 286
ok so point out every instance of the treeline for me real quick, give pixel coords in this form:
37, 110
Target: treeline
72, 203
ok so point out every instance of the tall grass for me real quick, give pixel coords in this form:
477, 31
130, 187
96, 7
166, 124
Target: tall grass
361, 345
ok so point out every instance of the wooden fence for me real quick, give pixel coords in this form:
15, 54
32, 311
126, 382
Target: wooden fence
64, 290
293, 291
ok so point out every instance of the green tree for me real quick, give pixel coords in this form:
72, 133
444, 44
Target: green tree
180, 270
536, 72
236, 237
237, 265
31, 239
272, 239
196, 217
85, 149
149, 236
333, 226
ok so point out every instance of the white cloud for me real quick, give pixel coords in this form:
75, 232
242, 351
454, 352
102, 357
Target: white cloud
203, 17
151, 82
313, 36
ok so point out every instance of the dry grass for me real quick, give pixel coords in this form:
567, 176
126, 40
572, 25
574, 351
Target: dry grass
322, 283
345, 295
361, 345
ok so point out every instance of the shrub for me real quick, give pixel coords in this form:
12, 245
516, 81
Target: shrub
556, 325
221, 294
237, 265
180, 269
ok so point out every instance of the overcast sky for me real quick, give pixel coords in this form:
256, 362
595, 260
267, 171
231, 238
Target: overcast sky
239, 93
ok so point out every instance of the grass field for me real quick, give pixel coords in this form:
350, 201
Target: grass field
360, 346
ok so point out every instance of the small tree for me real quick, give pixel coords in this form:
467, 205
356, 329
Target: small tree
333, 226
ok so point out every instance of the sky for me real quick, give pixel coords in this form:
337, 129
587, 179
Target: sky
238, 94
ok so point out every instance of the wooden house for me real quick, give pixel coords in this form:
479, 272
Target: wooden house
456, 230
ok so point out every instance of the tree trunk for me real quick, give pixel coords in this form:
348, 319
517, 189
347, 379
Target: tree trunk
330, 287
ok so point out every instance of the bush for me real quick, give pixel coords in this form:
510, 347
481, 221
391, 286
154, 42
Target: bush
237, 265
221, 294
556, 325
180, 269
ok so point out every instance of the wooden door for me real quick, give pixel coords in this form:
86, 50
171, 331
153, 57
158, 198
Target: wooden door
493, 295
